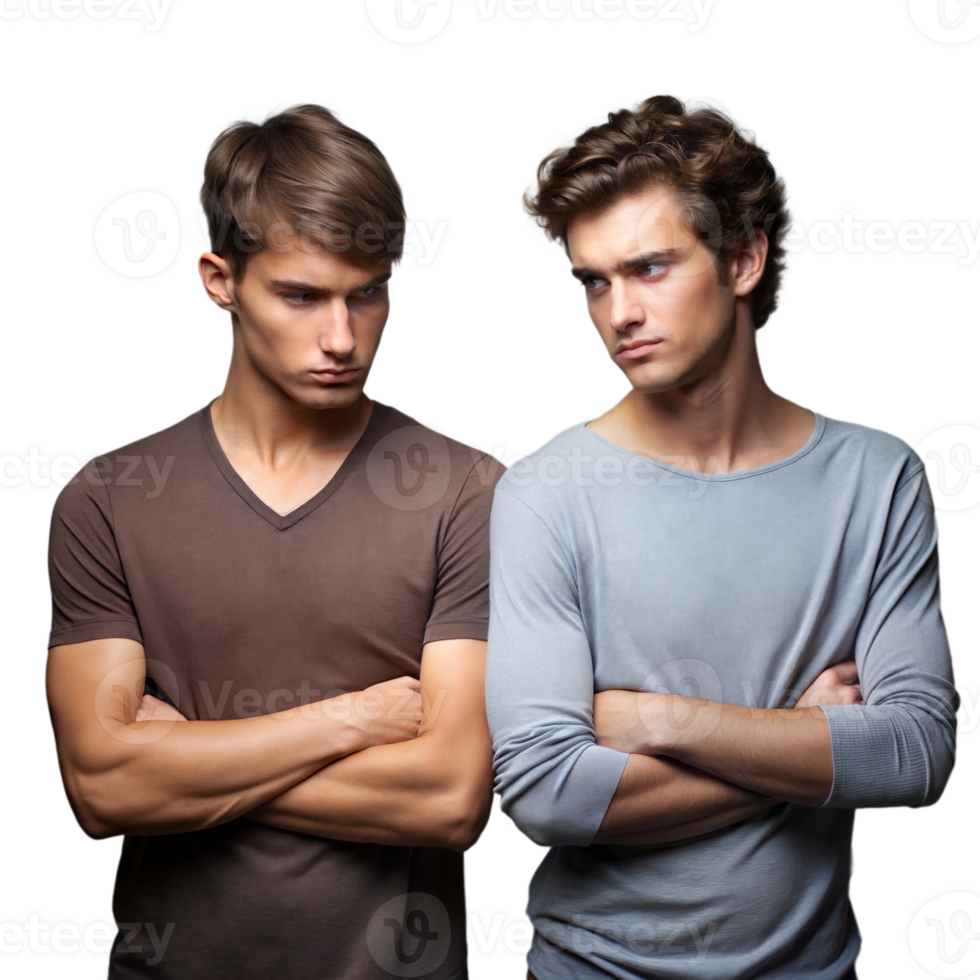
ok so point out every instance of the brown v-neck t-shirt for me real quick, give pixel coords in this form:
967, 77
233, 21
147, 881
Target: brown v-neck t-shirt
242, 612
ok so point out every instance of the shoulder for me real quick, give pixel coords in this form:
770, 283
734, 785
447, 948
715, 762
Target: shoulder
150, 459
547, 474
872, 472
405, 453
874, 454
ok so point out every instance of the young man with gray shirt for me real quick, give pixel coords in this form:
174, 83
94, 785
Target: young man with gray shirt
668, 578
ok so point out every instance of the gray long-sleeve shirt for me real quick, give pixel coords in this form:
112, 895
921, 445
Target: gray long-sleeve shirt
609, 570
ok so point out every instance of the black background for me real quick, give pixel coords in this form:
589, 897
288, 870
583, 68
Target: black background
488, 342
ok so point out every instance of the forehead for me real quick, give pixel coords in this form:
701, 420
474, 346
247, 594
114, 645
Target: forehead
301, 260
638, 224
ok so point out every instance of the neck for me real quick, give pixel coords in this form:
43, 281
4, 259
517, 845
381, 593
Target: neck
726, 419
254, 417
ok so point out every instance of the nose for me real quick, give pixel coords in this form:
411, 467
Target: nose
624, 309
336, 336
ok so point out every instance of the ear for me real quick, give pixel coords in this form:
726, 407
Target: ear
219, 283
749, 262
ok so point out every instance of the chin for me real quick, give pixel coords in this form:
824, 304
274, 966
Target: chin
653, 379
341, 399
335, 396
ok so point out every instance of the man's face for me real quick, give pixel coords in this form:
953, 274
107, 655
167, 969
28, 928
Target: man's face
653, 290
310, 321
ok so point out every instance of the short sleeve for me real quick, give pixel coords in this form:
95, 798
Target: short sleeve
461, 604
90, 597
898, 748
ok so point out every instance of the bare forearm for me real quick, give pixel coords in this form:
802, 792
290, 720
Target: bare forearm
781, 753
169, 777
434, 790
420, 793
660, 801
134, 765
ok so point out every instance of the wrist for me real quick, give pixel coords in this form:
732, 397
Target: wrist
339, 728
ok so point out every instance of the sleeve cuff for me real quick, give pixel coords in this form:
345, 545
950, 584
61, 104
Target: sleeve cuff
460, 629
123, 629
571, 812
877, 760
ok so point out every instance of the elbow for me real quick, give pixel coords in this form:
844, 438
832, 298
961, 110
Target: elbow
97, 829
101, 792
463, 815
460, 837
938, 758
936, 781
541, 833
558, 793
548, 816
546, 826
93, 808
930, 797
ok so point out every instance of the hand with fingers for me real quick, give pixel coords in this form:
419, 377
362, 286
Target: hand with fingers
836, 685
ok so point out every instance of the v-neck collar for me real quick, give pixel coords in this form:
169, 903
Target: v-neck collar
379, 414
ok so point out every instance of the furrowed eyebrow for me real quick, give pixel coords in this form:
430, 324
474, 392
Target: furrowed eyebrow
302, 287
649, 258
377, 280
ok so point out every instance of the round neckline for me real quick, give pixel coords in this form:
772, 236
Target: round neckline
819, 425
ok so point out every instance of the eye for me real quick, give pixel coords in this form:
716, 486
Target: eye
371, 292
299, 299
592, 283
653, 270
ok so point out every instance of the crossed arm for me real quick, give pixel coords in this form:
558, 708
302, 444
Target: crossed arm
696, 766
404, 762
434, 790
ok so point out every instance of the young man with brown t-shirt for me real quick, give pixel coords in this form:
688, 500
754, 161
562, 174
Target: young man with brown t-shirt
299, 574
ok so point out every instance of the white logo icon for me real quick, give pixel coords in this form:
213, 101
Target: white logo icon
952, 460
408, 21
944, 935
138, 235
410, 935
947, 21
409, 468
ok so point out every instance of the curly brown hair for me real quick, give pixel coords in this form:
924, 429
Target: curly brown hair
727, 184
301, 172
